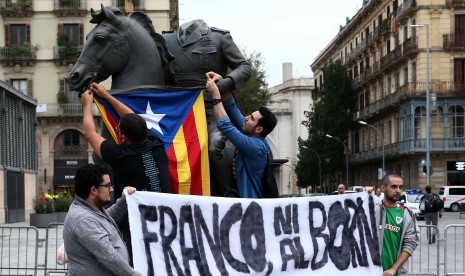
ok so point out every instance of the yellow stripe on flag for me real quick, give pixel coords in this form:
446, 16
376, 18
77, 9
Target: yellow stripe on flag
103, 114
201, 123
184, 171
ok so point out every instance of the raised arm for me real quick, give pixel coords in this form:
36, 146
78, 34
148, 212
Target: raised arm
90, 131
119, 107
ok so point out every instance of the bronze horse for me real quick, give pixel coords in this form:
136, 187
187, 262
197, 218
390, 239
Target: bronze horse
120, 46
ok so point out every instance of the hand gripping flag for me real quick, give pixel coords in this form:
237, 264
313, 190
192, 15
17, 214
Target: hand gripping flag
178, 118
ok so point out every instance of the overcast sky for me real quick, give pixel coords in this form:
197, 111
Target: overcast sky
283, 31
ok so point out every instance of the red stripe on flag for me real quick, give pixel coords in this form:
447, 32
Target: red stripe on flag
114, 123
193, 153
173, 168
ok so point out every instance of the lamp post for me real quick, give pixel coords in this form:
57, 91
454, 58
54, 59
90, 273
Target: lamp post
347, 156
289, 176
428, 115
379, 132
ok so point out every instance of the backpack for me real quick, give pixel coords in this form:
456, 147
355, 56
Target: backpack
269, 184
433, 203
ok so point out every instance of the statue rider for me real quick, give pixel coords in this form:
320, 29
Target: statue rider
198, 49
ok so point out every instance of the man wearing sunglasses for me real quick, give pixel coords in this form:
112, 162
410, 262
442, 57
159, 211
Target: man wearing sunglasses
93, 243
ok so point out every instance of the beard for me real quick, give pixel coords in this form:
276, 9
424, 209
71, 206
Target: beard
101, 202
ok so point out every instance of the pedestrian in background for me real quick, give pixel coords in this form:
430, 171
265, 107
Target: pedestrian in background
429, 204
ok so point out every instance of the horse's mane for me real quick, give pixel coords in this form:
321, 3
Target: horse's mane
141, 18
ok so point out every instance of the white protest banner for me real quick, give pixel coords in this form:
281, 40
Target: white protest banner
199, 235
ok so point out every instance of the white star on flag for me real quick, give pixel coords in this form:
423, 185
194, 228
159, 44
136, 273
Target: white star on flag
152, 119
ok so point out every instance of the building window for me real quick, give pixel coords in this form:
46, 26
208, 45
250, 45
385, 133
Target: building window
20, 85
17, 34
70, 95
73, 32
456, 121
419, 122
71, 138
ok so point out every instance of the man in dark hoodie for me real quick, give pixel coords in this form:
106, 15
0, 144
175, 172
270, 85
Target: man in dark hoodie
139, 161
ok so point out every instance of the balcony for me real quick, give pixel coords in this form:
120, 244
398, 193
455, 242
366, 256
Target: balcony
453, 42
369, 41
18, 8
406, 8
63, 110
375, 153
409, 90
385, 27
65, 55
410, 46
75, 8
120, 4
75, 150
436, 145
23, 55
391, 58
455, 3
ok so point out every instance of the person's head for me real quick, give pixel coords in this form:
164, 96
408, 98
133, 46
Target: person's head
132, 128
392, 186
428, 189
378, 192
318, 189
93, 181
260, 123
341, 189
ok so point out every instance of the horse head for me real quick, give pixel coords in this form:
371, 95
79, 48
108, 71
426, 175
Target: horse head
126, 48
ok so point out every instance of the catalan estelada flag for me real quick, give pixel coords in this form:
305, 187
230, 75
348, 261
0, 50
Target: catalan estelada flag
178, 118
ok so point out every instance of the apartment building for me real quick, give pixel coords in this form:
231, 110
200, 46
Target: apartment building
387, 59
38, 47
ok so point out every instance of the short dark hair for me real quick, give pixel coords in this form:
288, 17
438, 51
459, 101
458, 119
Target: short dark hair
387, 178
88, 176
268, 121
133, 127
428, 189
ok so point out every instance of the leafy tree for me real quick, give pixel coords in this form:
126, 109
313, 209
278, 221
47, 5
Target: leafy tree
255, 92
330, 115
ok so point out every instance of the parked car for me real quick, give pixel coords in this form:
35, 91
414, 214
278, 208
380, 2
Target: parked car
411, 200
452, 196
356, 188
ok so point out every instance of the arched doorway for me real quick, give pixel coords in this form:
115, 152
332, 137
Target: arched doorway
70, 153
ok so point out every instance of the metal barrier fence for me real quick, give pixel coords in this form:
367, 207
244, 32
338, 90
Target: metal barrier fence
426, 258
24, 252
454, 249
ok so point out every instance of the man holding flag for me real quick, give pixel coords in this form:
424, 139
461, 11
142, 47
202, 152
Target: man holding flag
139, 161
247, 134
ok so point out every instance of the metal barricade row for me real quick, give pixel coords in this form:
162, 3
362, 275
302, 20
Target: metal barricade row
426, 258
53, 240
24, 251
18, 250
454, 249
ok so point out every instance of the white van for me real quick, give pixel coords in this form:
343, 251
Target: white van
452, 196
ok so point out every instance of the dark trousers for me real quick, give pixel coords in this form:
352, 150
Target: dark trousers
431, 219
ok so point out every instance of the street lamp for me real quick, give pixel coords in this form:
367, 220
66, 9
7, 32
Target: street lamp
289, 176
382, 137
347, 156
319, 161
428, 115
